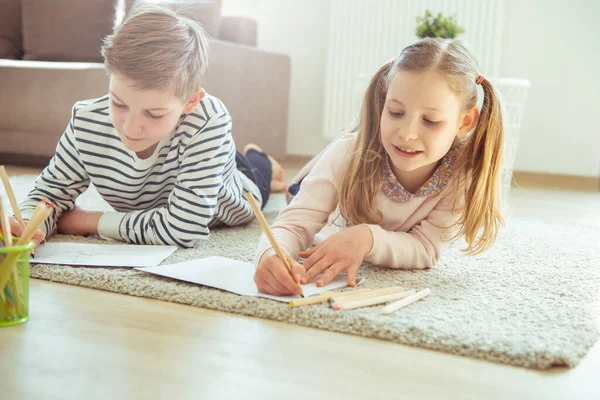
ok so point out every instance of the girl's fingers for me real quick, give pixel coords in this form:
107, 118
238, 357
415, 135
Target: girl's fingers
315, 270
309, 252
266, 283
331, 273
351, 272
313, 259
264, 287
282, 276
260, 284
297, 271
273, 280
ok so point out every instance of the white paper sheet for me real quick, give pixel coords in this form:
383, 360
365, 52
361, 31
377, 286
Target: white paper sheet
102, 255
231, 275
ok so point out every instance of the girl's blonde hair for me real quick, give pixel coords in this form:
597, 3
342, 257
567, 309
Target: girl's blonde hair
480, 153
157, 48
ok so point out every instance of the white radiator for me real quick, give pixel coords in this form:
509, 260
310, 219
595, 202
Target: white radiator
364, 34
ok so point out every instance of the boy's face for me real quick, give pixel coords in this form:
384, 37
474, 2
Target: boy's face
142, 118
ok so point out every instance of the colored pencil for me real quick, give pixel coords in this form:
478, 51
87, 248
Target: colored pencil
351, 305
265, 227
390, 308
11, 196
38, 217
368, 293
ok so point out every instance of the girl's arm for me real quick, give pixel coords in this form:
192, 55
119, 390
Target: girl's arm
305, 216
420, 247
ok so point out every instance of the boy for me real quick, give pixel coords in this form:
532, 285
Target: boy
158, 148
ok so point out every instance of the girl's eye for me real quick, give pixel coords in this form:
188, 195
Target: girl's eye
155, 116
430, 122
396, 114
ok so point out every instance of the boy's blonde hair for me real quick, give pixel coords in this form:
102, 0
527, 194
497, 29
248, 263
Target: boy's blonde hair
479, 156
157, 48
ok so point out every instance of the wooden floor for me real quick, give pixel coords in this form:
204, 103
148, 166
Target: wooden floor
83, 343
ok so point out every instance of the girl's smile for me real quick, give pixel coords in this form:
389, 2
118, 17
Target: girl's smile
406, 151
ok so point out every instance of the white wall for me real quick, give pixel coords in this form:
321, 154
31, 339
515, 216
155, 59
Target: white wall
299, 29
556, 45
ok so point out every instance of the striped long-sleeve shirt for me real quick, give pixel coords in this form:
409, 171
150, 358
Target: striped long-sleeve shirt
190, 184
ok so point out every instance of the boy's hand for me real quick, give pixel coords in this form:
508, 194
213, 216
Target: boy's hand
273, 278
17, 230
79, 222
343, 251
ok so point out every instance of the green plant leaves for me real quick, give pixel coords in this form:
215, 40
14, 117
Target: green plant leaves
438, 26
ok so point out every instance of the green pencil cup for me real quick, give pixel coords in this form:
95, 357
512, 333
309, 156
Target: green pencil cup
14, 296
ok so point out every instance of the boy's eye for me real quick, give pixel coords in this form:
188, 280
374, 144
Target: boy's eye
155, 116
119, 105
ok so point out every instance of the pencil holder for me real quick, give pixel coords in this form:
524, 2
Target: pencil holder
14, 296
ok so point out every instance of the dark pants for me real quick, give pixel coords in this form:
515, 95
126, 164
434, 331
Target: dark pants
257, 167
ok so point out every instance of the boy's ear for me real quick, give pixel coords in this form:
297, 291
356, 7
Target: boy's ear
468, 122
196, 98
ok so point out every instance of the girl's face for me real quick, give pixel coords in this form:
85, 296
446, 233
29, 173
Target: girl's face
420, 120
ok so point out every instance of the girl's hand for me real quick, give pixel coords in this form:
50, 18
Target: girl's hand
272, 277
17, 230
79, 222
343, 251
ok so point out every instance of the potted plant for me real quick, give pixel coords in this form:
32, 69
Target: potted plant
438, 26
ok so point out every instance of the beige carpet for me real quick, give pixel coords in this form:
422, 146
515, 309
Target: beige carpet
531, 301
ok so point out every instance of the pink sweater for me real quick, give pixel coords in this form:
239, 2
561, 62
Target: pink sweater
409, 235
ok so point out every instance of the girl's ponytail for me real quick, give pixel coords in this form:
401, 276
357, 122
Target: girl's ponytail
480, 161
363, 178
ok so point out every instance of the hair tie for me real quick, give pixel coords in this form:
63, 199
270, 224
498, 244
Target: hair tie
480, 79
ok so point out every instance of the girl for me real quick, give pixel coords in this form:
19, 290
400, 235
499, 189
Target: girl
408, 180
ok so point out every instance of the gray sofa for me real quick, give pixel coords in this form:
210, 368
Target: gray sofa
37, 94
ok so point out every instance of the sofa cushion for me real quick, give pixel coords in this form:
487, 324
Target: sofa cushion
66, 30
11, 43
207, 12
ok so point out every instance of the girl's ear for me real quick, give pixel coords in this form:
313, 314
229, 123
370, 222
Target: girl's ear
192, 103
469, 120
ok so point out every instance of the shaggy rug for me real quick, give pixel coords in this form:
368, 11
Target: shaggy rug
533, 300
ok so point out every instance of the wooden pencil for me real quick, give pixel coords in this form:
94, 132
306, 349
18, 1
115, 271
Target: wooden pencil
9, 262
307, 301
5, 222
390, 308
373, 301
11, 196
348, 293
42, 211
13, 285
323, 297
265, 227
366, 294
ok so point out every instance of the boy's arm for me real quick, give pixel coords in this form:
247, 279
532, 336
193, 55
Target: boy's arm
191, 204
61, 182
